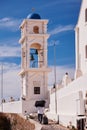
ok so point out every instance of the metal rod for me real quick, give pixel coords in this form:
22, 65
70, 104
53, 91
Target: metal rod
56, 107
55, 77
2, 87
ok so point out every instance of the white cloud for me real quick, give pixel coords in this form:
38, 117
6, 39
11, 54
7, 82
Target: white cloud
60, 72
11, 81
62, 28
10, 51
10, 23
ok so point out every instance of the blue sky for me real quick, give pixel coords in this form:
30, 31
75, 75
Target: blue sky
62, 16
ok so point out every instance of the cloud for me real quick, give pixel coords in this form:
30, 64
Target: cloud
53, 42
60, 72
10, 42
10, 23
10, 51
61, 29
11, 81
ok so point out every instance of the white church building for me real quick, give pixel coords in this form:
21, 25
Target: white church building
67, 102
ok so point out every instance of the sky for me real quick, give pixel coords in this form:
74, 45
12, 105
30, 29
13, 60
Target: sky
62, 16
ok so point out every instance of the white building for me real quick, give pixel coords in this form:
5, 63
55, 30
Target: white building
34, 68
81, 41
71, 104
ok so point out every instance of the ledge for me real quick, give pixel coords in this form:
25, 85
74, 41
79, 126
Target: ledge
35, 70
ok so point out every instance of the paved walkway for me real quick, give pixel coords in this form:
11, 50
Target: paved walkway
50, 126
53, 126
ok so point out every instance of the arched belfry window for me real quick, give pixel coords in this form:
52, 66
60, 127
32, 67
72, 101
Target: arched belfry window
36, 29
86, 15
86, 51
36, 56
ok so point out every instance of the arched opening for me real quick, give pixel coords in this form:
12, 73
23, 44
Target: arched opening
36, 56
36, 29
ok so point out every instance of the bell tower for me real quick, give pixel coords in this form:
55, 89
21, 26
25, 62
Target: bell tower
34, 69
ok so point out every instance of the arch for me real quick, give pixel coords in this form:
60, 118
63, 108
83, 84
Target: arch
36, 29
85, 15
35, 45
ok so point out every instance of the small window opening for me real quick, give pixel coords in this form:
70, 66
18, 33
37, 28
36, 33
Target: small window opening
36, 29
36, 90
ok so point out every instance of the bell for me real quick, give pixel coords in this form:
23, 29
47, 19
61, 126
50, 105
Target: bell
31, 57
54, 86
36, 52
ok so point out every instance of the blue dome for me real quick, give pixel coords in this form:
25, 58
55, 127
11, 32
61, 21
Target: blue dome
34, 16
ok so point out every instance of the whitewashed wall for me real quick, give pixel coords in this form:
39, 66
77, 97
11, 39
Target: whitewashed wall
11, 107
81, 37
70, 101
29, 106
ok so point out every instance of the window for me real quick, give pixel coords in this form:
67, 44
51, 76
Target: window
86, 15
86, 51
36, 90
36, 29
37, 85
